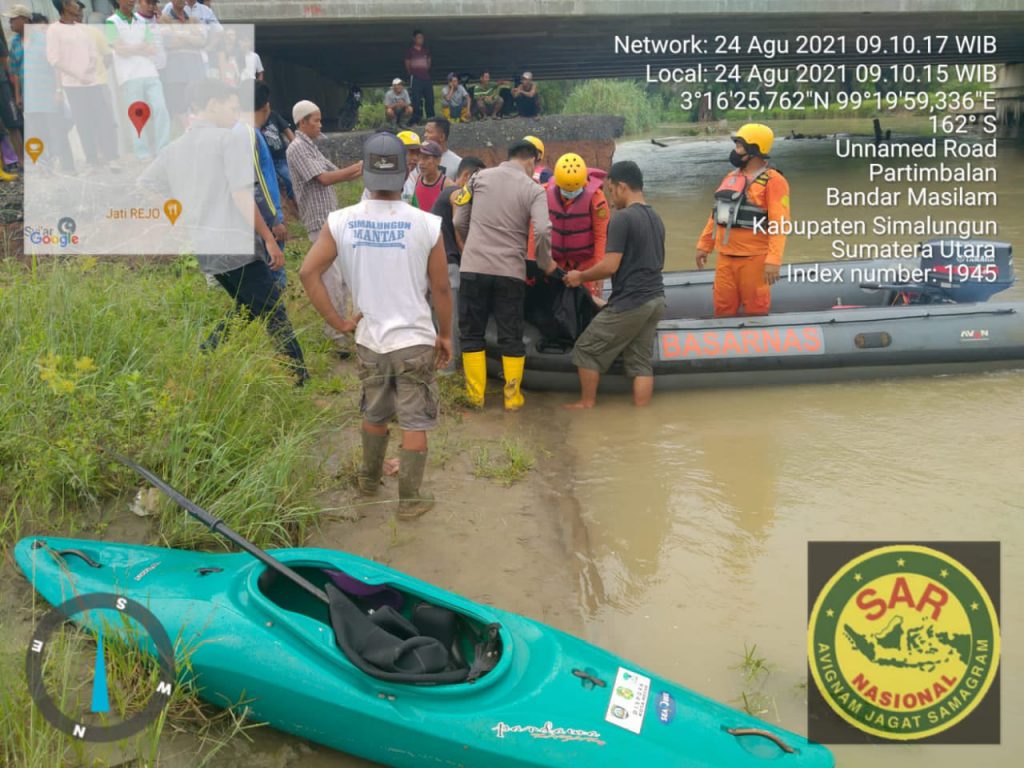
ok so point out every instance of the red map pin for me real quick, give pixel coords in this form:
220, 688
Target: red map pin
138, 113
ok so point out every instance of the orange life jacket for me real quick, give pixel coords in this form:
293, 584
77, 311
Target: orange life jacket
732, 206
572, 232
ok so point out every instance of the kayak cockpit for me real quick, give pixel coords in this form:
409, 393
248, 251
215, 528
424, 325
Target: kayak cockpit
389, 633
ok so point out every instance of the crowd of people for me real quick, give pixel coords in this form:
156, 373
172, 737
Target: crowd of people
462, 98
441, 246
86, 79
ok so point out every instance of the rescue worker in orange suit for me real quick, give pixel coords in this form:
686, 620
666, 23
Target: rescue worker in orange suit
579, 216
746, 227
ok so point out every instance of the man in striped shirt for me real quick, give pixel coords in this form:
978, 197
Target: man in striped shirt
313, 179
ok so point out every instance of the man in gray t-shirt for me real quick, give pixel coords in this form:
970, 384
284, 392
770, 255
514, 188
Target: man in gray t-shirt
209, 169
634, 258
397, 104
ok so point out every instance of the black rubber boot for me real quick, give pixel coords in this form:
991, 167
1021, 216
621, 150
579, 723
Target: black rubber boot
374, 448
412, 502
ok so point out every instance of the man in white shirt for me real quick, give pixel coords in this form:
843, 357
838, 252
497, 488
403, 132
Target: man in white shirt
136, 52
196, 10
391, 255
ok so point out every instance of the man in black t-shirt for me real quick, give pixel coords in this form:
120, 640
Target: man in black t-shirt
279, 134
443, 208
634, 258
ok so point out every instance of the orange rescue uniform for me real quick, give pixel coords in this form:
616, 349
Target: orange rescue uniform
739, 273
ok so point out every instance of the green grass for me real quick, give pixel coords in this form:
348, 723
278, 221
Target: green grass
27, 740
508, 464
348, 193
102, 354
755, 670
625, 98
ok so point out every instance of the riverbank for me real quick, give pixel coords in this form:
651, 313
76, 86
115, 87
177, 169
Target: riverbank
94, 362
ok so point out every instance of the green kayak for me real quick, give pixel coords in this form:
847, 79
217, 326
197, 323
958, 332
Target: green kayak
367, 660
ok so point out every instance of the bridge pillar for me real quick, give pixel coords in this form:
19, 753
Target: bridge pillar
1009, 90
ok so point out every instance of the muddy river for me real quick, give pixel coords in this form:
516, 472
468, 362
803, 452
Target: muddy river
700, 508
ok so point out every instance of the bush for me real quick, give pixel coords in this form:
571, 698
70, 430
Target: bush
104, 355
371, 116
625, 98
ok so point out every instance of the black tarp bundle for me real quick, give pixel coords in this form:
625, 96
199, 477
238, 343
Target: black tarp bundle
560, 314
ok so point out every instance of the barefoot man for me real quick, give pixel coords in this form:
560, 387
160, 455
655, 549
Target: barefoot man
634, 257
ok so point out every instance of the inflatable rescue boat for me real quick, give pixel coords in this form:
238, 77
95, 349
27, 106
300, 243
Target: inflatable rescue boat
830, 321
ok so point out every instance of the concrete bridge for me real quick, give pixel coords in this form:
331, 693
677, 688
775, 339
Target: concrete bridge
364, 40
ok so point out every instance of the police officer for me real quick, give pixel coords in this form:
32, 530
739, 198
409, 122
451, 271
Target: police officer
745, 226
493, 215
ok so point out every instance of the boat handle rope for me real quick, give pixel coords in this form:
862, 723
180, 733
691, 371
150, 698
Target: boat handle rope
63, 553
764, 734
586, 677
680, 324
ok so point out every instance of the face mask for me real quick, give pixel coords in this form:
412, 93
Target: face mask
738, 160
571, 195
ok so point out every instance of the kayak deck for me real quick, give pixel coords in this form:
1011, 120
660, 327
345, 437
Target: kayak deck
549, 701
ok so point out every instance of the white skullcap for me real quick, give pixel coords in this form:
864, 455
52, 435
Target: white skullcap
303, 109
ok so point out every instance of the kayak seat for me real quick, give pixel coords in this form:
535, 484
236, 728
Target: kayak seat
373, 595
387, 646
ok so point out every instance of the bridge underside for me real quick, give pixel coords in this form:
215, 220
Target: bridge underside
371, 52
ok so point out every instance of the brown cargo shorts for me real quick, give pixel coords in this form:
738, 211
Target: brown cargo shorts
399, 383
629, 333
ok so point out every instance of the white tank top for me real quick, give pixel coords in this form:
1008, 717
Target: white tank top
383, 248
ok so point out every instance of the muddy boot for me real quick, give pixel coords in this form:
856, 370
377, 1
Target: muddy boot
513, 367
411, 501
374, 448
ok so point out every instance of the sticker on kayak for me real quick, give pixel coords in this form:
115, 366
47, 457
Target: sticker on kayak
666, 707
748, 342
629, 700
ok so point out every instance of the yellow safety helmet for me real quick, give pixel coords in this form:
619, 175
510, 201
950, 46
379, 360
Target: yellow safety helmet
536, 142
570, 172
409, 138
757, 137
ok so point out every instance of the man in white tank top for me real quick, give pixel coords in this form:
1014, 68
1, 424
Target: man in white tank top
391, 255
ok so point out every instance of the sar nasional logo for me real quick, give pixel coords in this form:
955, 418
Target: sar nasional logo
903, 642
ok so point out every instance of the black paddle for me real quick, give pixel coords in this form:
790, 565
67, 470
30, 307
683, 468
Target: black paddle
355, 633
218, 526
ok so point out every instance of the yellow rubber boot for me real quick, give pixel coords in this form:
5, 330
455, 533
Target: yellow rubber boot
5, 176
474, 367
513, 367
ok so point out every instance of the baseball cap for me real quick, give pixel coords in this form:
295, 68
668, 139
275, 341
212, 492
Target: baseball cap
19, 11
523, 144
397, 81
431, 149
303, 109
527, 75
383, 163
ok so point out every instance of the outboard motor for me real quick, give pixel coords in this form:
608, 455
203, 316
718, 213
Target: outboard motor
967, 271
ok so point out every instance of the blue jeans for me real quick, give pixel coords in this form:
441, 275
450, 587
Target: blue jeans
280, 276
281, 164
157, 131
